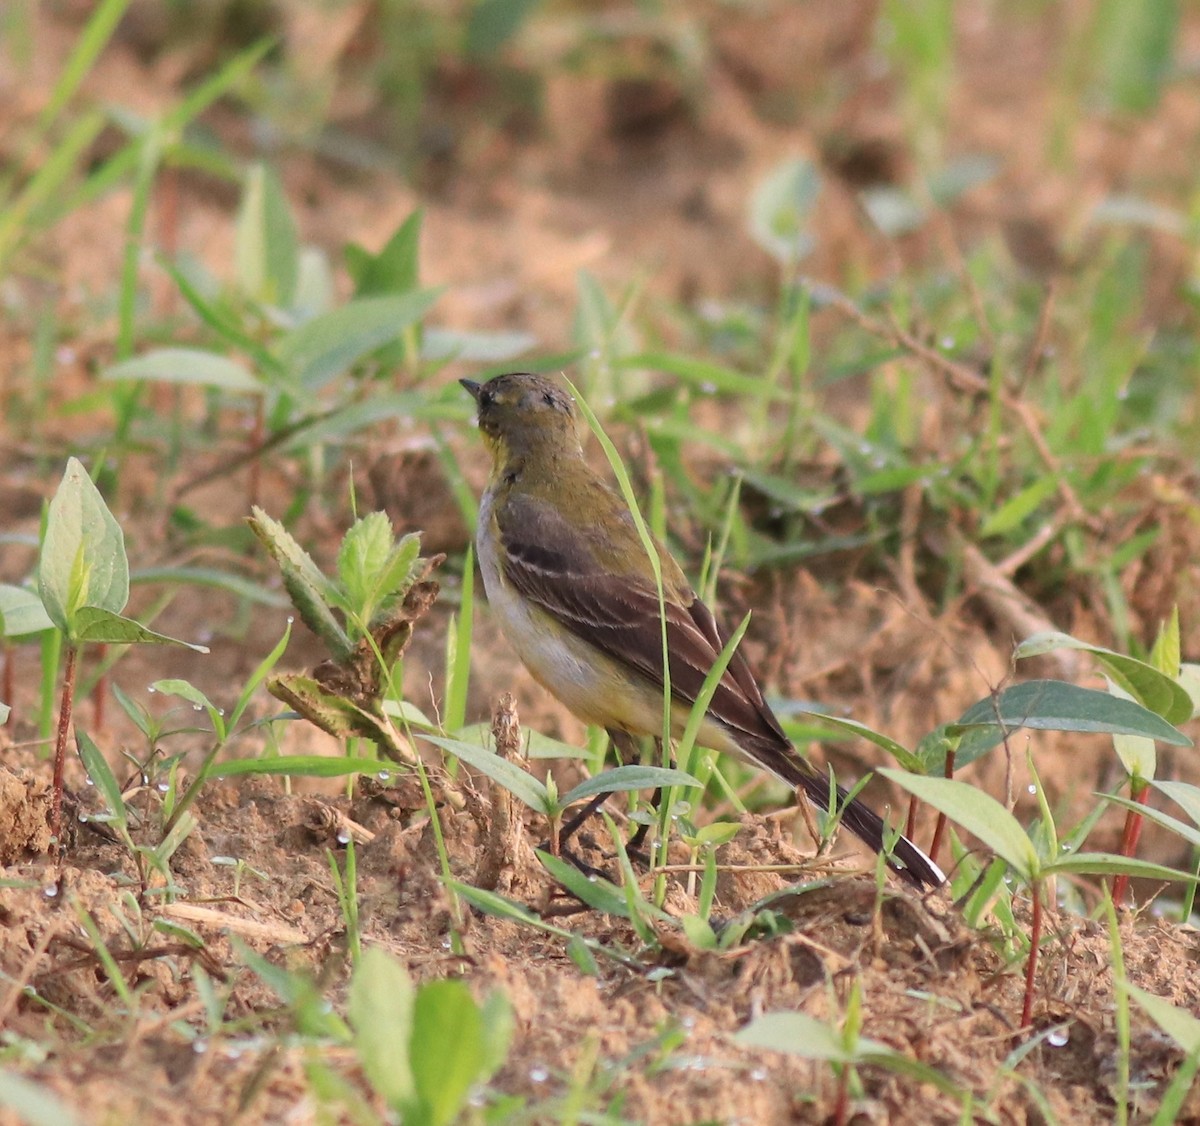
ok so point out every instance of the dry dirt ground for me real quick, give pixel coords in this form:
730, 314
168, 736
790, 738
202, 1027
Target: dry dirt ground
510, 220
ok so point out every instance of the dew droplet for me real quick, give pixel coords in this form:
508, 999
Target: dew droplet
384, 776
343, 837
163, 787
1032, 788
1058, 1037
758, 1074
151, 689
50, 891
83, 819
538, 1074
199, 1047
947, 342
89, 781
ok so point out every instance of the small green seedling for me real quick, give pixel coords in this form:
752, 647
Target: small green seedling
982, 815
424, 1049
83, 582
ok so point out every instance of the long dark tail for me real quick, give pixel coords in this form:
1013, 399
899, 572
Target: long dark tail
906, 859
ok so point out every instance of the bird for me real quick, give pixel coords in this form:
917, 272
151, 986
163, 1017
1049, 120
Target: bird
569, 579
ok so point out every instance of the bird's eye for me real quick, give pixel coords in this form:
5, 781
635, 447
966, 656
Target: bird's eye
548, 399
486, 398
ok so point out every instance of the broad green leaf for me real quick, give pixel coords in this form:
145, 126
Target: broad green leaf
599, 894
185, 690
1189, 680
1187, 832
699, 932
495, 905
535, 744
975, 811
1110, 864
1183, 794
798, 1034
1165, 654
498, 1025
210, 577
581, 957
33, 1104
1133, 46
959, 175
362, 556
446, 1050
1137, 753
1177, 1023
307, 766
493, 22
93, 624
621, 779
394, 268
397, 574
900, 753
381, 1004
21, 612
1015, 511
1055, 705
441, 344
265, 254
408, 713
518, 782
193, 366
260, 673
892, 209
1158, 692
781, 208
82, 561
98, 770
325, 347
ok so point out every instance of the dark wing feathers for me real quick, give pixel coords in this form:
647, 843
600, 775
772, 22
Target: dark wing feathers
619, 615
553, 565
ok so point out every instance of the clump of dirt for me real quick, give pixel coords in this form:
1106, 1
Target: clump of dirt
24, 816
932, 989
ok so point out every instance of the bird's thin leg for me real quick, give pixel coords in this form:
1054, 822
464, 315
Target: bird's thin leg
628, 748
572, 826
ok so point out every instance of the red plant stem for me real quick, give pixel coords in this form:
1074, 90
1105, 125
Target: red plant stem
10, 676
940, 829
1035, 942
1139, 791
842, 1110
60, 746
100, 690
910, 825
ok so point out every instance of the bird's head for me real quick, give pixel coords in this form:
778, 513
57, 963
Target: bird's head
520, 411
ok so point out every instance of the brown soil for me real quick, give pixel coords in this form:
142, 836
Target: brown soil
626, 192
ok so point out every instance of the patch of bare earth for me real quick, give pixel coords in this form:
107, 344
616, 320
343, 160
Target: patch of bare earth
624, 193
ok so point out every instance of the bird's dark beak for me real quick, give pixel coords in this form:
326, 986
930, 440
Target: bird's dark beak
472, 388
